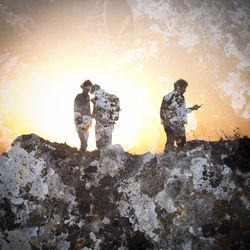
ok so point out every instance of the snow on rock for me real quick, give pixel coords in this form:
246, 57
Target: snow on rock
51, 198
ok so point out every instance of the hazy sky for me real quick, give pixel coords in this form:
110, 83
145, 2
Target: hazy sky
135, 49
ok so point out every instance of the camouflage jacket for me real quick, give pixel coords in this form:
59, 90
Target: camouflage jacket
173, 109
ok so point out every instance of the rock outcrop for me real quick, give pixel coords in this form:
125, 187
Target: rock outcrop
50, 198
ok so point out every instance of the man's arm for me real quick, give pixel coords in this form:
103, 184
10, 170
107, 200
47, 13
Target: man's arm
195, 107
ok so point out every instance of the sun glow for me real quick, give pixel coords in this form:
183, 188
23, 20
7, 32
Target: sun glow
45, 98
41, 101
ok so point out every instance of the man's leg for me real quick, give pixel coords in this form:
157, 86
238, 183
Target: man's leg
83, 134
170, 138
82, 128
103, 135
107, 138
180, 136
98, 134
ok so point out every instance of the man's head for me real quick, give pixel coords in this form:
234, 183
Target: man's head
180, 86
95, 88
86, 86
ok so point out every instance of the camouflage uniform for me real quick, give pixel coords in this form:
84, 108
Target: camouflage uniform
82, 118
173, 114
106, 113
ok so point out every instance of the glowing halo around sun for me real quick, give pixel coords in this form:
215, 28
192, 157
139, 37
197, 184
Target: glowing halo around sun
45, 101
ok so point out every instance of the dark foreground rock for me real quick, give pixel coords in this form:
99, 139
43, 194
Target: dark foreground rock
50, 198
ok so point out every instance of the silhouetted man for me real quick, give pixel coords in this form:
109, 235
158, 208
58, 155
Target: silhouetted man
83, 115
173, 114
106, 113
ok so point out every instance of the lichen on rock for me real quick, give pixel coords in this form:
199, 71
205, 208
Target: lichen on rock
53, 198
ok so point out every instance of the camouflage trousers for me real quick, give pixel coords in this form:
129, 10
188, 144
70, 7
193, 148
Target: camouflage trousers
175, 133
103, 134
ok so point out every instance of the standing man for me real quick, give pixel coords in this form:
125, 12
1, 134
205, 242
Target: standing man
106, 113
173, 115
83, 115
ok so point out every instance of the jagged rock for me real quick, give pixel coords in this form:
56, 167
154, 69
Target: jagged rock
51, 198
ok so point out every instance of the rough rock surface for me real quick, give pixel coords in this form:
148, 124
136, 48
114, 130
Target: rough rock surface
194, 199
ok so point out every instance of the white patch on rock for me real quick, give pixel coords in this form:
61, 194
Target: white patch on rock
45, 189
22, 169
110, 166
51, 171
92, 236
62, 243
94, 163
50, 147
15, 240
122, 248
245, 201
188, 245
106, 220
144, 209
31, 232
191, 231
199, 165
87, 185
165, 201
147, 157
17, 201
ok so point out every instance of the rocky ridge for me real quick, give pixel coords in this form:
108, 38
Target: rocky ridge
50, 198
